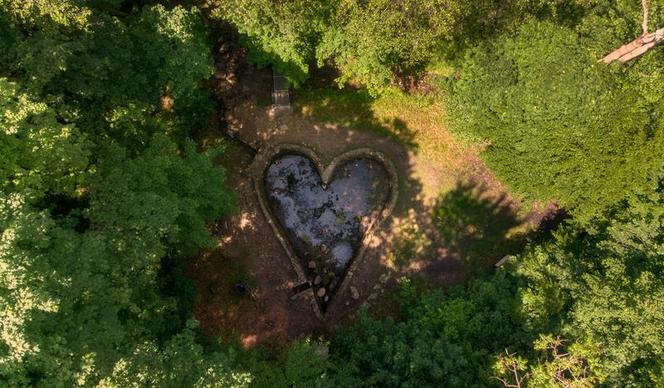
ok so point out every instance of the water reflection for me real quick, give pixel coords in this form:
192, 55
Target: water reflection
325, 225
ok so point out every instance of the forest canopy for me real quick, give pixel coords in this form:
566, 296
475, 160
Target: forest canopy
105, 193
100, 189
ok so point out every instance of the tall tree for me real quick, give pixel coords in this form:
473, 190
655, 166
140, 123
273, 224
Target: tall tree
283, 34
95, 195
372, 42
557, 125
603, 288
640, 45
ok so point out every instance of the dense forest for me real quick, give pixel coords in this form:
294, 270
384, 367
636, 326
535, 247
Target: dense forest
107, 190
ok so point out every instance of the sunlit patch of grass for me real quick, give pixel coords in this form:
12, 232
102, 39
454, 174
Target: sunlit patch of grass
440, 67
417, 121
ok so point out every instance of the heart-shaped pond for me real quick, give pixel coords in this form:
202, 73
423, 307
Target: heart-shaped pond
326, 223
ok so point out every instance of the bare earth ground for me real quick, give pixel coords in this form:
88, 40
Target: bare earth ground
480, 221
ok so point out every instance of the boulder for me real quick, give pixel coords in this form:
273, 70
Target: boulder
354, 293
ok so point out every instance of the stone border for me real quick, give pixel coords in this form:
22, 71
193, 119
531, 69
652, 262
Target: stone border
266, 156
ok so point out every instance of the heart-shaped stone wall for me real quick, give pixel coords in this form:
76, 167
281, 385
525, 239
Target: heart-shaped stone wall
324, 217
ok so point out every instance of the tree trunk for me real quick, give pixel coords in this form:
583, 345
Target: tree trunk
644, 25
636, 47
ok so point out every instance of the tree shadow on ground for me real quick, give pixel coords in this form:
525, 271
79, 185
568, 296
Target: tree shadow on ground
216, 277
480, 229
352, 108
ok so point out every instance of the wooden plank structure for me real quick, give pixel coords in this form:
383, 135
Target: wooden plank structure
280, 92
640, 45
503, 261
636, 48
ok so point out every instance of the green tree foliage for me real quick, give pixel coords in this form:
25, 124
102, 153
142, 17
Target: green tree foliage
164, 195
40, 154
283, 34
555, 365
444, 339
485, 19
375, 43
108, 74
558, 125
584, 308
103, 196
604, 289
303, 363
370, 42
181, 362
80, 253
98, 188
374, 40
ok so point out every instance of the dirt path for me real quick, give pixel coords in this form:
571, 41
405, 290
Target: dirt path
410, 243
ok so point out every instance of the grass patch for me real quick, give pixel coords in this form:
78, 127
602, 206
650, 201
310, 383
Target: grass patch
417, 121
